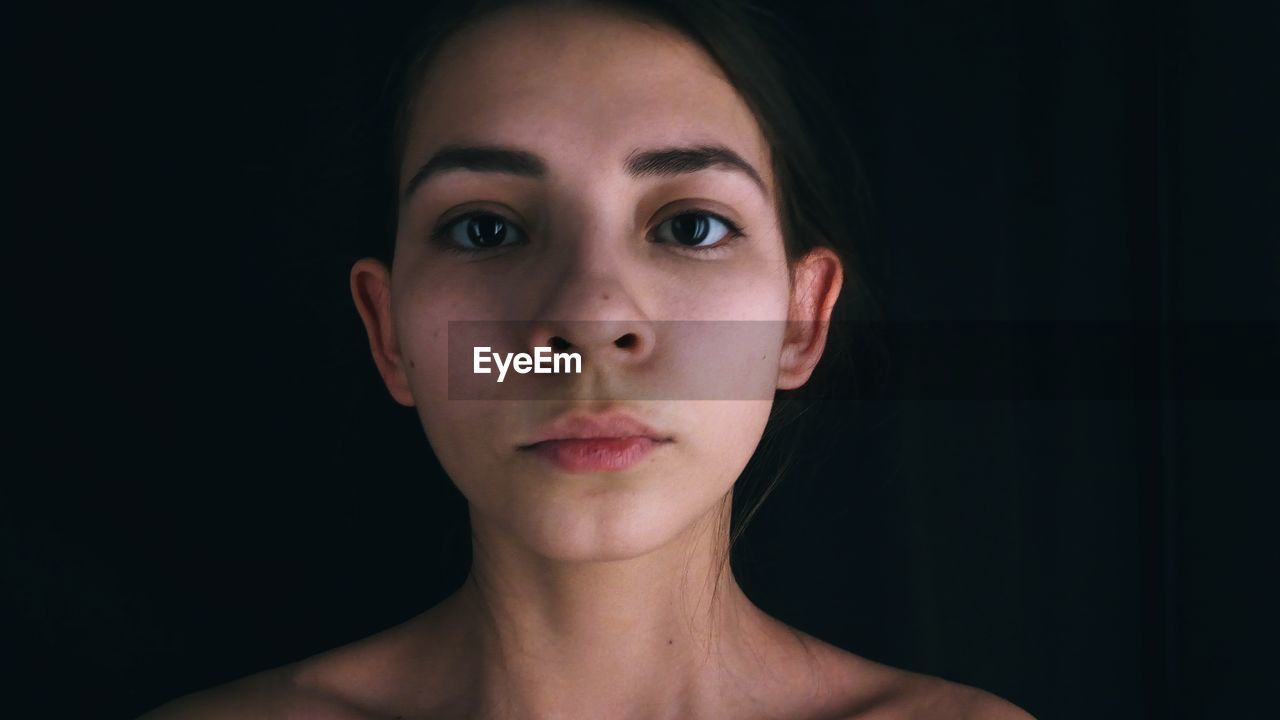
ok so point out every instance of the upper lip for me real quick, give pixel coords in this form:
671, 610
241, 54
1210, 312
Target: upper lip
583, 426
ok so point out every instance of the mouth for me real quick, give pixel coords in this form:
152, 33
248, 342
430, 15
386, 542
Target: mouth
595, 443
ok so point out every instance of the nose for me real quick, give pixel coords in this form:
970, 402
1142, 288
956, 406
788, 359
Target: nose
608, 334
591, 299
591, 312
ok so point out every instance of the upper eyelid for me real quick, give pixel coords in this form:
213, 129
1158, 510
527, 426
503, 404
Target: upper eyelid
734, 227
478, 211
695, 204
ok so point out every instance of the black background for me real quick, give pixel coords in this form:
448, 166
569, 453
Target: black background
206, 478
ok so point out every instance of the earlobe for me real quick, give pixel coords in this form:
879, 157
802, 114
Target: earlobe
815, 286
371, 291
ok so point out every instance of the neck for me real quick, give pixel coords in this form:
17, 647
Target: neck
663, 632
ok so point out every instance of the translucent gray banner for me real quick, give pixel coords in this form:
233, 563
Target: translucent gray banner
746, 360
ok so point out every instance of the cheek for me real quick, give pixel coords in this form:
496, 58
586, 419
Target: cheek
431, 308
440, 318
459, 435
724, 437
422, 309
752, 285
423, 338
728, 342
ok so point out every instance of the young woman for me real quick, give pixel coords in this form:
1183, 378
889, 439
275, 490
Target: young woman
609, 175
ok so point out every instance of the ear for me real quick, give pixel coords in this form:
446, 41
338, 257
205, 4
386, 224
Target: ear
815, 285
371, 290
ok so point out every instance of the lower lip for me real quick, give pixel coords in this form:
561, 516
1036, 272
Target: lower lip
595, 454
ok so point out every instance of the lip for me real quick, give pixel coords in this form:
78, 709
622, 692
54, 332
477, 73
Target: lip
584, 426
595, 443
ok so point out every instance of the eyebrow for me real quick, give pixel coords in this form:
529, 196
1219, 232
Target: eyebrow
646, 163
675, 161
478, 159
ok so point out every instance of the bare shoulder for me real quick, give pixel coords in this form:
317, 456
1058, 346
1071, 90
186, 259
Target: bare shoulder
867, 690
346, 683
275, 694
932, 697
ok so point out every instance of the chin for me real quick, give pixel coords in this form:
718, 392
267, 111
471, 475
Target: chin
614, 529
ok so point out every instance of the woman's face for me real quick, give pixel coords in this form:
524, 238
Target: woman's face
575, 179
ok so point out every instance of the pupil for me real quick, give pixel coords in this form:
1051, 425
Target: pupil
486, 230
689, 229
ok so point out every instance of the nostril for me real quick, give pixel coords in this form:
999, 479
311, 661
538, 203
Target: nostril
560, 344
626, 341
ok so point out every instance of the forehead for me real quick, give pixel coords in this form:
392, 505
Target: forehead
580, 87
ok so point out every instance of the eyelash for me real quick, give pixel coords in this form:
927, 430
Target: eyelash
735, 232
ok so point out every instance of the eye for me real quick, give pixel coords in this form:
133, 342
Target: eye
478, 231
697, 230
